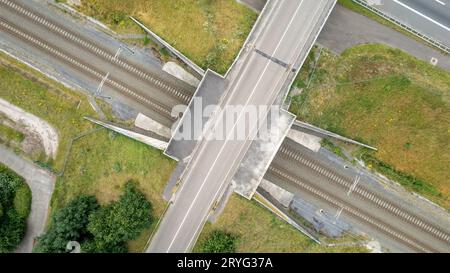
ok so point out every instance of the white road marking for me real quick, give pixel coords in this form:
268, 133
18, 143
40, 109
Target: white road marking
440, 2
422, 15
232, 130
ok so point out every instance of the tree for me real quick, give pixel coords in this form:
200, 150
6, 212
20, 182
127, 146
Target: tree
12, 222
219, 242
121, 221
68, 224
98, 229
13, 228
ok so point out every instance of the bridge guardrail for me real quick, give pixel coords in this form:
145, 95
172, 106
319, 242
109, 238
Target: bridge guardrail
404, 26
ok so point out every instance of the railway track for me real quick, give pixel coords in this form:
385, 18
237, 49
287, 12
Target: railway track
153, 80
84, 68
184, 97
363, 193
352, 211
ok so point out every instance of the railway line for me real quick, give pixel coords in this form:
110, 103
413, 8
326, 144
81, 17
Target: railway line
351, 210
82, 67
173, 93
328, 176
154, 80
363, 193
183, 96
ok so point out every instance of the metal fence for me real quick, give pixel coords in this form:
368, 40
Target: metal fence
408, 28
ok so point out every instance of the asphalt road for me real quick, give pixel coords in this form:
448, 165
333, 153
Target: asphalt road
41, 183
346, 28
285, 36
430, 17
256, 60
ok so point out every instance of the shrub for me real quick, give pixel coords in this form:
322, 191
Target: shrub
219, 242
15, 202
98, 229
68, 224
12, 231
121, 221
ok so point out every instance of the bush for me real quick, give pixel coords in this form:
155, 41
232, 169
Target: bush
68, 224
121, 221
12, 231
98, 229
15, 203
219, 242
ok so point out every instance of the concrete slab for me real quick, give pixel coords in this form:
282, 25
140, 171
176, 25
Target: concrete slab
313, 130
186, 131
138, 134
281, 195
311, 142
261, 153
178, 72
148, 124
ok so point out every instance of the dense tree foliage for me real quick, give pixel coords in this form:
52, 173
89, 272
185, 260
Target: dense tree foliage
123, 220
13, 211
68, 224
219, 242
98, 229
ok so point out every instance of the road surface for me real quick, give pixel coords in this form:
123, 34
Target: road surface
430, 17
286, 35
41, 183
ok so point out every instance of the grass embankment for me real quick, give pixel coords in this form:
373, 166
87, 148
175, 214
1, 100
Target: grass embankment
210, 33
42, 97
8, 134
99, 163
258, 230
390, 100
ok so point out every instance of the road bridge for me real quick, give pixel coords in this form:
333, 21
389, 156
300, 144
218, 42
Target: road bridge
285, 34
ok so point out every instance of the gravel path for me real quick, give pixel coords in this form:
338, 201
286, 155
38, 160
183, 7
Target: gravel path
48, 135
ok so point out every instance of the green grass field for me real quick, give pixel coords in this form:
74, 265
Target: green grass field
259, 230
390, 100
210, 33
59, 106
99, 163
9, 134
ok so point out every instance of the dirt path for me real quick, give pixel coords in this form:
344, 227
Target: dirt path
33, 124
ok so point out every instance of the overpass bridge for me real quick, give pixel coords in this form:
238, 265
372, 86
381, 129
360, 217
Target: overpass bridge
261, 76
